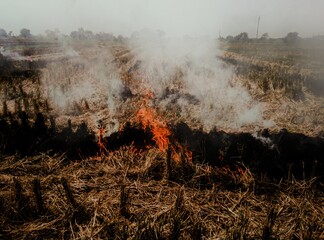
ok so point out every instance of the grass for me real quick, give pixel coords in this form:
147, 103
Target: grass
129, 193
116, 198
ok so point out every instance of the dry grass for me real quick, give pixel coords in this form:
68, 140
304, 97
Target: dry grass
132, 194
127, 196
282, 89
285, 91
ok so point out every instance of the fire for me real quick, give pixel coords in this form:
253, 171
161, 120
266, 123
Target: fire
148, 117
160, 131
101, 144
181, 153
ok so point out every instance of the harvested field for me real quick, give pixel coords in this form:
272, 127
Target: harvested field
128, 195
92, 147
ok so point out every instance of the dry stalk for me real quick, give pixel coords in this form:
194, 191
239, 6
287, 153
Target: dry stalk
268, 226
38, 195
68, 193
124, 202
169, 164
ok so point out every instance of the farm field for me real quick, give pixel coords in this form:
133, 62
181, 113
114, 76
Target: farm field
98, 143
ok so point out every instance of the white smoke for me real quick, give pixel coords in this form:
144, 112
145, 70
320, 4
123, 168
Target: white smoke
12, 55
187, 78
207, 88
266, 141
82, 84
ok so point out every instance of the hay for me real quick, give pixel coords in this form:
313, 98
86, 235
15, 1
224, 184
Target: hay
115, 197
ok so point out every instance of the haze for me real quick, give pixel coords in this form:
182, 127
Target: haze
182, 17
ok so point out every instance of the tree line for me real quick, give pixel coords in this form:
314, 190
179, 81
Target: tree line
82, 34
291, 37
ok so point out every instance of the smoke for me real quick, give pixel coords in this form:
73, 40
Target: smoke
12, 55
186, 73
189, 82
83, 83
266, 141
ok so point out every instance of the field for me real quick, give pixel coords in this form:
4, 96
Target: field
92, 148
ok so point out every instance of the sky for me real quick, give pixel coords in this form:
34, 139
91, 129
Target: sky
174, 17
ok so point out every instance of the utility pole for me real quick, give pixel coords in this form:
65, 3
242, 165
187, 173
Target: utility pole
257, 33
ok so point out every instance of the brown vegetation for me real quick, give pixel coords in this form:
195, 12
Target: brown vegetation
120, 198
61, 178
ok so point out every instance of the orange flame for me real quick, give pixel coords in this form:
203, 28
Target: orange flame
102, 148
147, 116
181, 153
160, 131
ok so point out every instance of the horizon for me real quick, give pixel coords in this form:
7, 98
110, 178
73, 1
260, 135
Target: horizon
191, 18
62, 34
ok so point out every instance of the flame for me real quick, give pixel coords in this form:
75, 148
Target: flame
101, 143
148, 117
159, 129
181, 153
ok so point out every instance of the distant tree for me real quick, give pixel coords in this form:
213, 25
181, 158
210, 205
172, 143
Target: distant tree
102, 36
121, 39
265, 36
25, 33
77, 34
3, 33
229, 38
242, 37
74, 34
54, 35
81, 31
88, 34
82, 34
291, 37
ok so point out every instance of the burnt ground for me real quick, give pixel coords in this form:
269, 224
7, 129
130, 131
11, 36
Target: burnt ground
277, 155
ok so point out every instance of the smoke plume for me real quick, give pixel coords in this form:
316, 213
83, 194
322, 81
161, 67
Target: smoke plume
186, 73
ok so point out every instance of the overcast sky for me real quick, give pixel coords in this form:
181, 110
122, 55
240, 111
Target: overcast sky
175, 17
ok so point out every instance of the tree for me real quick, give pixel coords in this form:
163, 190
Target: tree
54, 35
74, 35
265, 36
242, 37
25, 33
291, 37
3, 33
121, 39
88, 34
102, 36
82, 34
229, 38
